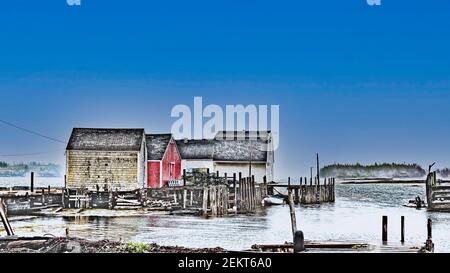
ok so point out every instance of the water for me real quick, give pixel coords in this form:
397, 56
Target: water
356, 215
39, 182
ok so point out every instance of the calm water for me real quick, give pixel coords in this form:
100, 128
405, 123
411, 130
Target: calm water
39, 182
356, 215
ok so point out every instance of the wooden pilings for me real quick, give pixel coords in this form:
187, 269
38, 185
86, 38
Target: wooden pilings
32, 182
292, 211
402, 229
429, 245
309, 194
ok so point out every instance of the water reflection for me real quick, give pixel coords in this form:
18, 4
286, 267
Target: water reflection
355, 216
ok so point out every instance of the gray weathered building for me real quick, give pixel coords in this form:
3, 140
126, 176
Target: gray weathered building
231, 152
112, 158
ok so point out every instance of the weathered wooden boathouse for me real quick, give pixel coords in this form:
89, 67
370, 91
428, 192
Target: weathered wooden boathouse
250, 153
113, 159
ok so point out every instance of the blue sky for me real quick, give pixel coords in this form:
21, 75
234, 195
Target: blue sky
354, 82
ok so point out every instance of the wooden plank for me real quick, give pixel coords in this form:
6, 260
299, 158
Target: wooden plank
4, 218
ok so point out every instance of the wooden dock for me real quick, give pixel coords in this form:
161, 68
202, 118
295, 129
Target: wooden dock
312, 192
438, 193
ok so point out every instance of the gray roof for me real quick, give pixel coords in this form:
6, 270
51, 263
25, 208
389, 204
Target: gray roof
243, 135
106, 139
223, 150
157, 145
196, 149
240, 150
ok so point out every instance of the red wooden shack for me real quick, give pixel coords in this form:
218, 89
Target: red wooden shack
164, 161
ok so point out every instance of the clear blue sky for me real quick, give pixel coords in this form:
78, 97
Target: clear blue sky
355, 83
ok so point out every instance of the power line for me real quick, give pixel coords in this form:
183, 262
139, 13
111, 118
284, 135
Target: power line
30, 154
32, 132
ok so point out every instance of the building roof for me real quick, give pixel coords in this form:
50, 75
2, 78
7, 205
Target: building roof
196, 149
239, 147
240, 150
157, 145
243, 135
91, 139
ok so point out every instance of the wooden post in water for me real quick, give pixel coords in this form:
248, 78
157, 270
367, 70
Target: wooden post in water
429, 246
32, 182
430, 229
292, 211
385, 229
402, 239
184, 178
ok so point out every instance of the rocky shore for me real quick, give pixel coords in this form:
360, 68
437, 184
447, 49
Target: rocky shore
77, 245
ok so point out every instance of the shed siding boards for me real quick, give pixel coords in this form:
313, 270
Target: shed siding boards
111, 158
171, 165
189, 165
86, 169
164, 162
258, 169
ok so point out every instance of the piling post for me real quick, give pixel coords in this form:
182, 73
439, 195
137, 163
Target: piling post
429, 246
299, 242
235, 191
385, 229
253, 193
402, 239
430, 229
249, 194
49, 189
292, 211
184, 178
205, 201
32, 182
264, 193
65, 181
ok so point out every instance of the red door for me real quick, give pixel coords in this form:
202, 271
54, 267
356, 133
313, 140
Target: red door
154, 175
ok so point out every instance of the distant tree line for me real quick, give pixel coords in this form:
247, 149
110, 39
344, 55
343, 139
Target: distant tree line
376, 170
443, 172
21, 169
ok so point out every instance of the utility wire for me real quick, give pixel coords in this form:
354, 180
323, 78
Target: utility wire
31, 132
30, 154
